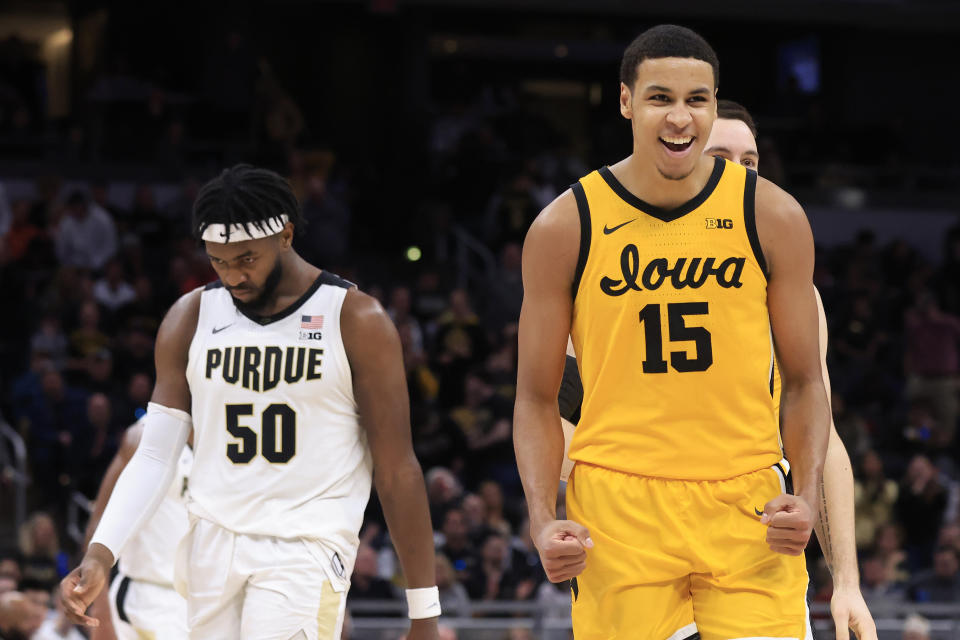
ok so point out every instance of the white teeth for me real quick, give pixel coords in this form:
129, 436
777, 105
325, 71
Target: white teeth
675, 140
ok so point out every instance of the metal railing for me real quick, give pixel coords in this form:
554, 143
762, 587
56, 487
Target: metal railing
370, 621
469, 252
15, 470
78, 504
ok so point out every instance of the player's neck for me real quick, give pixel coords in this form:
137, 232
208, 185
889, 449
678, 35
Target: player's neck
643, 180
298, 276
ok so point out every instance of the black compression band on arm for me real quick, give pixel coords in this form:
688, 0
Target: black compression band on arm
571, 392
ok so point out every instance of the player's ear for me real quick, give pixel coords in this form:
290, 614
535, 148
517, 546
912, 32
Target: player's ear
286, 236
626, 110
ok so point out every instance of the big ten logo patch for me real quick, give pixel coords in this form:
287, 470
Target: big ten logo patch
719, 223
310, 335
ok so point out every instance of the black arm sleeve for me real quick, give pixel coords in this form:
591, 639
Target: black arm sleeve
571, 392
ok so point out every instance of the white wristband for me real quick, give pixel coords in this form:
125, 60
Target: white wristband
423, 603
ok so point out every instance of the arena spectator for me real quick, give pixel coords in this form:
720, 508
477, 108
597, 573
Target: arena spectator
920, 507
484, 419
112, 291
327, 235
57, 626
36, 593
19, 617
888, 548
504, 292
144, 310
400, 312
874, 498
20, 234
916, 627
492, 578
89, 337
932, 362
457, 545
940, 584
42, 561
97, 374
134, 403
454, 600
9, 570
460, 345
948, 277
133, 356
87, 235
444, 492
50, 340
876, 585
492, 495
525, 560
95, 445
474, 511
366, 584
51, 420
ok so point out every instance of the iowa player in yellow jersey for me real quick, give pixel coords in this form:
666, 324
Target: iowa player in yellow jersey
734, 137
677, 275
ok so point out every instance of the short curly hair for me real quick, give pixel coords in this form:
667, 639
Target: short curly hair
667, 41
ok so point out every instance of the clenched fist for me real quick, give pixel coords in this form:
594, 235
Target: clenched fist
790, 521
563, 548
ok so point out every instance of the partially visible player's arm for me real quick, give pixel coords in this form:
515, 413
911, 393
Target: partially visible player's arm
380, 388
805, 417
835, 525
143, 483
128, 446
100, 609
550, 254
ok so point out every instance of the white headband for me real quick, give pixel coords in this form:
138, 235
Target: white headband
265, 228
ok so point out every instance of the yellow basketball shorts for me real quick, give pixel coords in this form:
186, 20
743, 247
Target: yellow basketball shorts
673, 558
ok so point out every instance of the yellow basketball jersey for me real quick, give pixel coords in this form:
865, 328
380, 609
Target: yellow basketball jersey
672, 333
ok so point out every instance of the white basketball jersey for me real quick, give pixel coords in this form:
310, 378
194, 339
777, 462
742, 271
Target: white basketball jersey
278, 446
149, 556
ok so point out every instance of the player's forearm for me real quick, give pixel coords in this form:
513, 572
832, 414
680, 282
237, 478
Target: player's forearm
403, 496
538, 442
100, 609
806, 419
835, 527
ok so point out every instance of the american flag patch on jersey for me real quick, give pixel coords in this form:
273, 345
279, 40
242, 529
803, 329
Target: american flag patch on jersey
311, 322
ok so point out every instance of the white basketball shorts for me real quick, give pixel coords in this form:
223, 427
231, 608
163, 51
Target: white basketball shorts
258, 587
147, 610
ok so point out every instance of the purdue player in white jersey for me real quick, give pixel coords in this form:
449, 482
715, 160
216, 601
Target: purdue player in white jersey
292, 381
141, 601
734, 137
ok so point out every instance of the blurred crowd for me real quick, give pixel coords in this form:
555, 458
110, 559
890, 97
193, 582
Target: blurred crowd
86, 276
90, 281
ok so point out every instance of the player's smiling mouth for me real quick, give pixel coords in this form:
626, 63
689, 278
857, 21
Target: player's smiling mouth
677, 144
